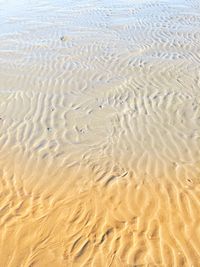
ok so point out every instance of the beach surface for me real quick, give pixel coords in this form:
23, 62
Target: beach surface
99, 133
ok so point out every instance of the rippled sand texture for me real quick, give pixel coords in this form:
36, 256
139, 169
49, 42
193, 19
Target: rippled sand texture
99, 133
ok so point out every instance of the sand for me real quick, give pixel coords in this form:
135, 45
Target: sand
99, 133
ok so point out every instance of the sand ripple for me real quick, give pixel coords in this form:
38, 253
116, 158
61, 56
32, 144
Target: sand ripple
100, 133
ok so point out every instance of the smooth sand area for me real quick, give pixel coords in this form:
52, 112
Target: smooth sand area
99, 133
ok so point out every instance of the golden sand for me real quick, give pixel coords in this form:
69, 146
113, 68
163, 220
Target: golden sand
118, 222
99, 133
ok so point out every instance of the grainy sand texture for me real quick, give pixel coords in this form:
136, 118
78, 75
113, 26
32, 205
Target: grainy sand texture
99, 133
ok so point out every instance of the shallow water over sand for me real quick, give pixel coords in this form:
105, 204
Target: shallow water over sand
100, 133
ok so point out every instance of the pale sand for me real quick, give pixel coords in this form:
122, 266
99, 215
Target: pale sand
100, 133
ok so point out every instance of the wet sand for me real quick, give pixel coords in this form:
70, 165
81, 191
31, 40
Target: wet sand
99, 133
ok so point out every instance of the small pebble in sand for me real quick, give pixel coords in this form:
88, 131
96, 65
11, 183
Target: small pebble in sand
63, 38
81, 131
